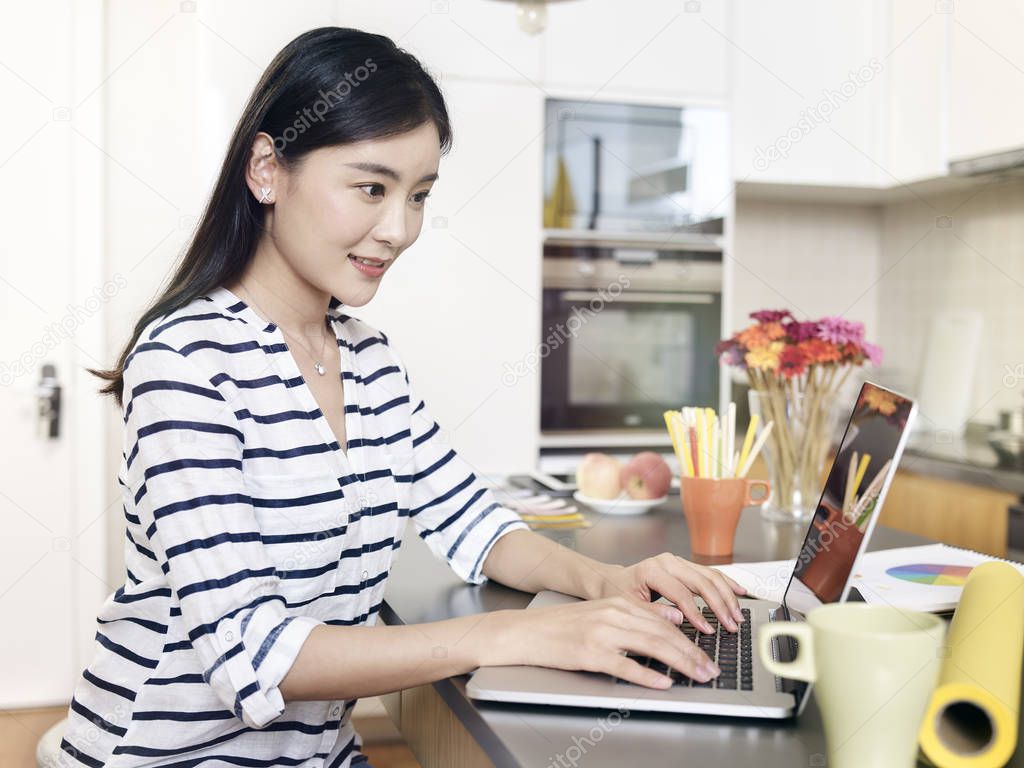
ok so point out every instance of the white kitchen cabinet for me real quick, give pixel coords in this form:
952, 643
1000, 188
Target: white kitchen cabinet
478, 39
610, 49
918, 124
986, 66
462, 305
808, 92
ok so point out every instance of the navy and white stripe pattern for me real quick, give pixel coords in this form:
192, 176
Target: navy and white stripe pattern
247, 526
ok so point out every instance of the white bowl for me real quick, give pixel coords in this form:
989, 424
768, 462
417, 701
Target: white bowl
622, 505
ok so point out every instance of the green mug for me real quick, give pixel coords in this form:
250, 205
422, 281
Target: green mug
874, 668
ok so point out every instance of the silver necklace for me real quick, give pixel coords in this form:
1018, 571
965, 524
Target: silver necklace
318, 366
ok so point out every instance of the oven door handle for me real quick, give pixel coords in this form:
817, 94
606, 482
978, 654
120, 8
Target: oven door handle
641, 297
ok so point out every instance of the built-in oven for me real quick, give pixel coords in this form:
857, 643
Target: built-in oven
629, 331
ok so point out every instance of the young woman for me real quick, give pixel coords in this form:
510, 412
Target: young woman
274, 448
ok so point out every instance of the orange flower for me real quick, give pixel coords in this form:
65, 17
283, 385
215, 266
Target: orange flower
819, 351
753, 337
765, 358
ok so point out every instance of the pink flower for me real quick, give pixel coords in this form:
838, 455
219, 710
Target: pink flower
839, 331
771, 315
801, 331
734, 357
731, 353
873, 352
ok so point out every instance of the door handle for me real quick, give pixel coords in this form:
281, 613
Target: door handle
642, 297
48, 397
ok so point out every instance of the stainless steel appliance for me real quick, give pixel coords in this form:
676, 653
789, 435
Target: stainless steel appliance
629, 330
616, 167
1015, 533
636, 200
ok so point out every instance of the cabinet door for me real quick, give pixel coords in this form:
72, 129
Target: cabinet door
477, 39
658, 47
807, 93
953, 513
986, 78
918, 83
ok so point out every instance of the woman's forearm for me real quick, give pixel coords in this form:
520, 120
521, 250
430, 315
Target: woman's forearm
352, 662
530, 562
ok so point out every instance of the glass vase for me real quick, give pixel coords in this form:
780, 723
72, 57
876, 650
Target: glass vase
796, 449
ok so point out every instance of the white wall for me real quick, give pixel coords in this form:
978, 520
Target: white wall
893, 267
154, 193
464, 304
973, 264
52, 298
813, 259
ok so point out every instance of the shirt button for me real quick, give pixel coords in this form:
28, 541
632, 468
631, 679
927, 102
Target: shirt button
365, 574
335, 712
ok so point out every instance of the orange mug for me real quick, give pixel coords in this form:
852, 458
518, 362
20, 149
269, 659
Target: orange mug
712, 509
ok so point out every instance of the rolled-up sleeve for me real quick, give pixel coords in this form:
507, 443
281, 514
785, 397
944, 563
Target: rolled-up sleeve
183, 448
454, 512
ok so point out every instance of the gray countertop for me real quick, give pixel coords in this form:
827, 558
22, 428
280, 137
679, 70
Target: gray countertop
422, 588
967, 459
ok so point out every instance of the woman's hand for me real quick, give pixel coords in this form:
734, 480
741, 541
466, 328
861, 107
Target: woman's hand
678, 580
595, 635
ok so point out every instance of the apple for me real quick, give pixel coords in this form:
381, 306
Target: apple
599, 476
646, 476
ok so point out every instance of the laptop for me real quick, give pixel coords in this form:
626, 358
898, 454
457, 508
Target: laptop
836, 536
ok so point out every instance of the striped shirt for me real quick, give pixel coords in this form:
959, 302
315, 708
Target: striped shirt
246, 527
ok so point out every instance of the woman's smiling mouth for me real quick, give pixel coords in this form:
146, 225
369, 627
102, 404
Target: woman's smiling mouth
369, 267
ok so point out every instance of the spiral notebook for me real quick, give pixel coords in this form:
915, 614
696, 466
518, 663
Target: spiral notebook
925, 578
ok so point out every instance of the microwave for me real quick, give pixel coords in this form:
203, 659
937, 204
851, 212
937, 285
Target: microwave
618, 167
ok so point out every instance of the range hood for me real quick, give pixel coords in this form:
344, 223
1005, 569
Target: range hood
1009, 161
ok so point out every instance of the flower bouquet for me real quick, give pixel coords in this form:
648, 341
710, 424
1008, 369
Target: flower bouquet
796, 369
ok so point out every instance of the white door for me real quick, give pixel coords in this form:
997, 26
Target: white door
52, 551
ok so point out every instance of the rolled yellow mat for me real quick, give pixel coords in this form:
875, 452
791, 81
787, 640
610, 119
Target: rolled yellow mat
971, 721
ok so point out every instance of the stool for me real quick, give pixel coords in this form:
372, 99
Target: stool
48, 749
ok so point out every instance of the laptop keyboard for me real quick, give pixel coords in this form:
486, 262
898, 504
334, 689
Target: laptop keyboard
731, 651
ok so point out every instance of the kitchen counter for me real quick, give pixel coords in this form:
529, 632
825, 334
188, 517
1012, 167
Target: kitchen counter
445, 727
967, 459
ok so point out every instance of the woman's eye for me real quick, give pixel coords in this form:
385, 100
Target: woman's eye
371, 188
421, 197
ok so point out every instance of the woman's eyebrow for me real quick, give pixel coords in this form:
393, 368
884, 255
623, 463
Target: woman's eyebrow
384, 170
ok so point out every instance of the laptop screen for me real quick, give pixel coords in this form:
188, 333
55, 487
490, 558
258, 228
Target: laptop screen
851, 499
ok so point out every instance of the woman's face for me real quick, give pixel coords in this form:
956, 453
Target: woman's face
364, 199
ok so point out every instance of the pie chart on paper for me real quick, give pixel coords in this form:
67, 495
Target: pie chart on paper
932, 573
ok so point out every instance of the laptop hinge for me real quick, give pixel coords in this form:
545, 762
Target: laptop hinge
784, 650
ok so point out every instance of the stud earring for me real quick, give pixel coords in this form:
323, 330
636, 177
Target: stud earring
264, 195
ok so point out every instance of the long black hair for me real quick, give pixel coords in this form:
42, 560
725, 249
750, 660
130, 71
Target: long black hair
328, 86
